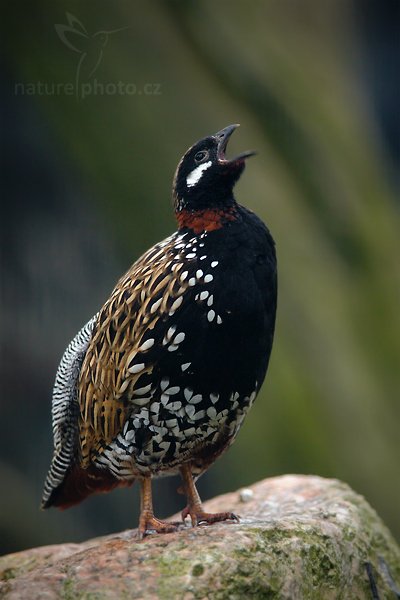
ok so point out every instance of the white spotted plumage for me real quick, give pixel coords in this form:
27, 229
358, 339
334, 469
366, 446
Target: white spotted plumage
144, 397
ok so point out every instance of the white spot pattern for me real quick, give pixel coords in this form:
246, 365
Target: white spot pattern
146, 345
136, 368
120, 456
179, 338
155, 305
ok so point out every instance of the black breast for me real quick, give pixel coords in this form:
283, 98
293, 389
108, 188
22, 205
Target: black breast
230, 353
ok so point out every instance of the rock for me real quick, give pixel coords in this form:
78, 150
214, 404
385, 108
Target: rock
300, 537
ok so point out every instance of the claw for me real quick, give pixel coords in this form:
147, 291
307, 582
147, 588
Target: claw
185, 513
201, 518
149, 524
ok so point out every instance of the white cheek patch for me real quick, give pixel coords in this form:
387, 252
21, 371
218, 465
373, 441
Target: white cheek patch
197, 173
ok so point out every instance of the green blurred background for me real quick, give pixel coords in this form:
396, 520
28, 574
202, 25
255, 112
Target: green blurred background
86, 189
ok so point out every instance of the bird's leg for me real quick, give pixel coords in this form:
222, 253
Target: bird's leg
194, 506
147, 520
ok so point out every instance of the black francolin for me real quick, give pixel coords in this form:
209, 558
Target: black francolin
160, 380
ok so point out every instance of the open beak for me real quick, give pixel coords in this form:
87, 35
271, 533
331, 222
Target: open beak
223, 138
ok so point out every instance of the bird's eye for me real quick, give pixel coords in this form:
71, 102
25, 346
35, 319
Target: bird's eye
201, 156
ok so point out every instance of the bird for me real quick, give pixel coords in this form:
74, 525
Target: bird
160, 380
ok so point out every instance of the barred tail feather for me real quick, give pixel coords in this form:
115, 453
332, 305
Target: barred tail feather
59, 466
65, 410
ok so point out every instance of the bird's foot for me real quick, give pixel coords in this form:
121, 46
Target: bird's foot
200, 517
148, 524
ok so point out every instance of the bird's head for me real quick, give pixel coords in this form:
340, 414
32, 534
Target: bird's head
205, 178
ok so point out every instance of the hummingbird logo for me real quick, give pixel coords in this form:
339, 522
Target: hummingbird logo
89, 46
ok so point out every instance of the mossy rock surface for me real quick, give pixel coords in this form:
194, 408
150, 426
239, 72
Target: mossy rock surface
300, 537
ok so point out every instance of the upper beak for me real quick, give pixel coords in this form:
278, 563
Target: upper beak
223, 138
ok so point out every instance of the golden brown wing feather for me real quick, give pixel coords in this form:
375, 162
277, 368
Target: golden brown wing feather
150, 289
